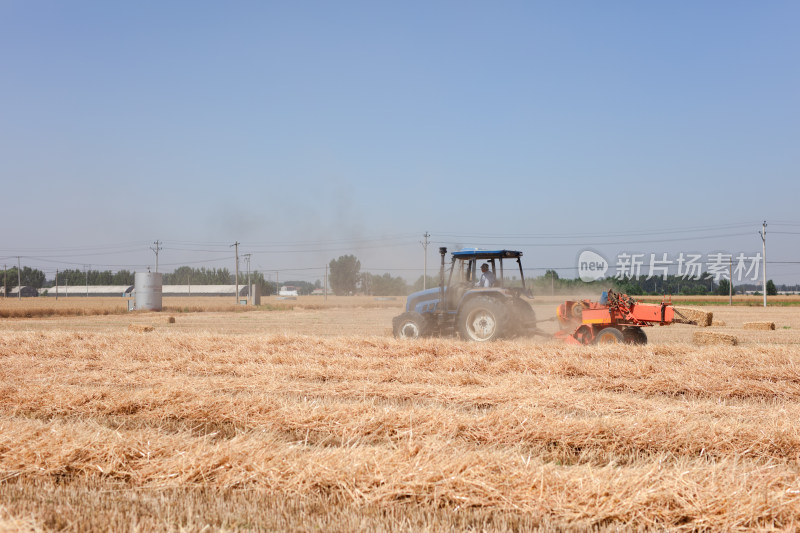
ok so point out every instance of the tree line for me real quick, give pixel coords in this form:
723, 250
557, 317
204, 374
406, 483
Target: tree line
346, 278
185, 275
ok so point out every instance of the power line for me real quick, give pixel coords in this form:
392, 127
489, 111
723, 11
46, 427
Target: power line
139, 246
381, 238
608, 243
598, 235
87, 254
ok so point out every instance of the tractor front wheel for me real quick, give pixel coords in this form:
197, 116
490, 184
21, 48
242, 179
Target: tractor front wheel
411, 325
482, 319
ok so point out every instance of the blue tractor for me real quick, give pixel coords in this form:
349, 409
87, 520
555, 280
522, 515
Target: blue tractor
463, 305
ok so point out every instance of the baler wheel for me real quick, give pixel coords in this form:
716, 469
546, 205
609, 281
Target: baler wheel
634, 336
609, 336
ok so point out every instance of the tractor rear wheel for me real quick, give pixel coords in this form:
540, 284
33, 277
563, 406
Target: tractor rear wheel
634, 336
482, 319
411, 325
609, 336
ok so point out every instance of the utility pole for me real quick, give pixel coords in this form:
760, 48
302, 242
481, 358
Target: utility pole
249, 286
326, 282
156, 250
763, 234
426, 235
56, 284
236, 245
730, 281
86, 271
5, 281
19, 280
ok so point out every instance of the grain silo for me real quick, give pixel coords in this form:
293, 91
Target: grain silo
148, 291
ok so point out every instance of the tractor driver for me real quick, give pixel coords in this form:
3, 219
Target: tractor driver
487, 277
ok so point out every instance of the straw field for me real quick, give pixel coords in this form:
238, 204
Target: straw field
82, 306
317, 419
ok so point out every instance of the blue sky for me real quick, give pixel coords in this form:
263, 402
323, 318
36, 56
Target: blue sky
306, 130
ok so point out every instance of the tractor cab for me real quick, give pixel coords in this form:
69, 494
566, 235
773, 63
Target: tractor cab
465, 274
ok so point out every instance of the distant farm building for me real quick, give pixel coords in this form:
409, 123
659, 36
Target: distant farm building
288, 290
70, 291
129, 291
27, 292
203, 290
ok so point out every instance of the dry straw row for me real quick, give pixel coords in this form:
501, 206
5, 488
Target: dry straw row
721, 495
140, 328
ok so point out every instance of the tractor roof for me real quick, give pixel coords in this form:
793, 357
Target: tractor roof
475, 253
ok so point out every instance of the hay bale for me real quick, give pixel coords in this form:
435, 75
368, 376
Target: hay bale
759, 325
717, 322
690, 315
171, 320
710, 337
139, 328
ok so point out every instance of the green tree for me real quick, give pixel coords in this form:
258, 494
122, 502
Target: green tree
33, 277
181, 276
97, 277
550, 274
771, 289
432, 282
344, 274
123, 277
30, 277
385, 285
724, 287
257, 278
201, 276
